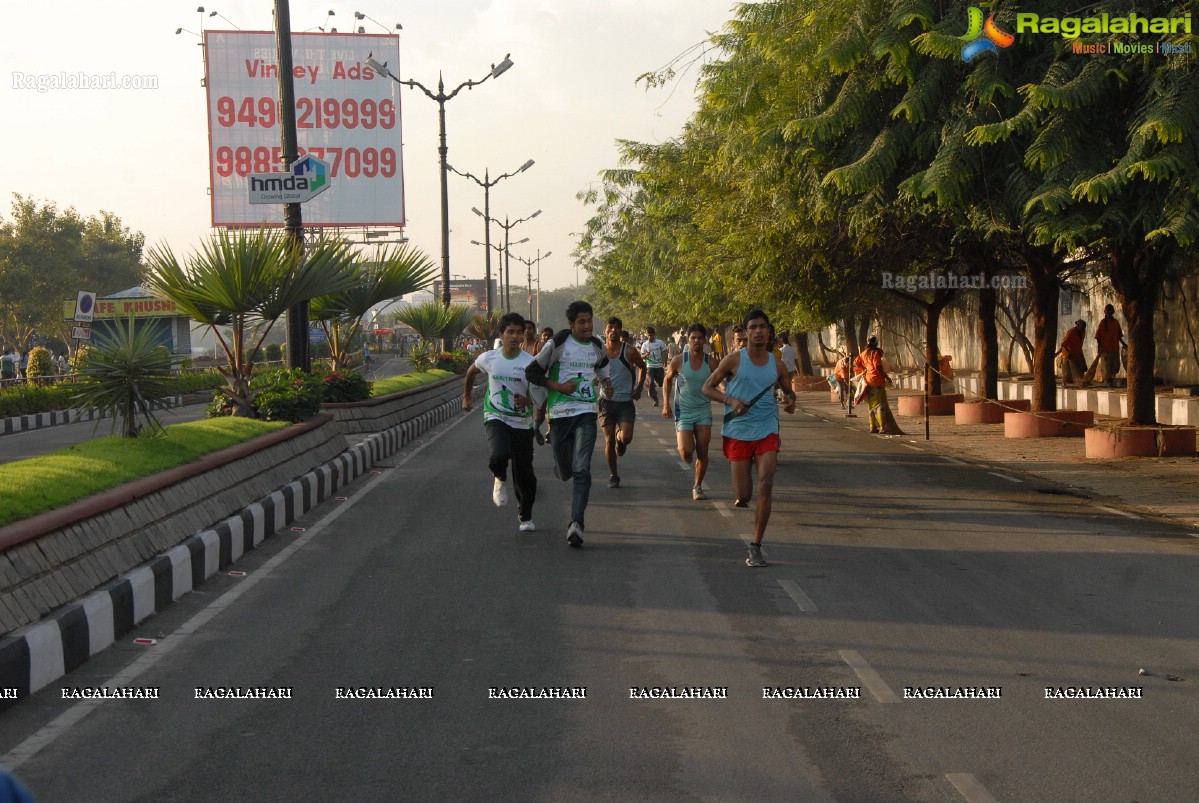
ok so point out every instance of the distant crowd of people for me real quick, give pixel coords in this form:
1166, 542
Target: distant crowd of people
14, 365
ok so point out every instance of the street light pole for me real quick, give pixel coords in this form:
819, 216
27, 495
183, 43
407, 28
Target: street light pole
487, 183
441, 97
507, 226
297, 315
540, 256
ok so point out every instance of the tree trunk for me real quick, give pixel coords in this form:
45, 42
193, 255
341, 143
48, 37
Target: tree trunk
988, 336
1137, 272
932, 330
805, 359
1042, 274
863, 330
852, 345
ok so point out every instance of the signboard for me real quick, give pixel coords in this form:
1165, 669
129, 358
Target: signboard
309, 177
85, 302
81, 333
468, 293
124, 307
346, 116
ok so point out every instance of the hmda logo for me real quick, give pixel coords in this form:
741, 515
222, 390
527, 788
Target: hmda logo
308, 178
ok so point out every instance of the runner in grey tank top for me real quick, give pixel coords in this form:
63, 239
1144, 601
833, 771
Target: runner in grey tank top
618, 414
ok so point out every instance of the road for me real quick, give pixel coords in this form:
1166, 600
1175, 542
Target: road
892, 568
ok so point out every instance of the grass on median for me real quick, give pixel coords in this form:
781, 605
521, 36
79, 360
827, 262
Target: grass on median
394, 384
33, 486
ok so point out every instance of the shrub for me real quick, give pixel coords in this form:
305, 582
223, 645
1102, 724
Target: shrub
281, 394
41, 363
80, 355
422, 355
274, 352
344, 386
456, 361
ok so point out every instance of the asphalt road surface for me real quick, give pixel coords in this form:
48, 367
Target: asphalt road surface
892, 571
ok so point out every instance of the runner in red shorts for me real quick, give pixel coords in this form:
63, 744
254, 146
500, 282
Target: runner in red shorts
751, 420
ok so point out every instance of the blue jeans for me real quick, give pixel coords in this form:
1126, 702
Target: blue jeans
573, 442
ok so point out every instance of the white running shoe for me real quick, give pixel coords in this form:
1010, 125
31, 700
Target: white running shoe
527, 526
499, 493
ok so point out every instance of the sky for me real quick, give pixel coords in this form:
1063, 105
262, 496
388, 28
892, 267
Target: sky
143, 153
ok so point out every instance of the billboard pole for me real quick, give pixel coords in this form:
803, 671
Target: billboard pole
297, 316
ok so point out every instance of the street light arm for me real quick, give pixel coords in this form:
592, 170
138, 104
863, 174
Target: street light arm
471, 176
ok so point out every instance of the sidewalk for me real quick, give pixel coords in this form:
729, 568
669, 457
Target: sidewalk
1154, 487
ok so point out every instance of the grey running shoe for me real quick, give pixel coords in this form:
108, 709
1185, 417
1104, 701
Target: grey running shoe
755, 559
574, 535
697, 493
740, 503
614, 481
527, 526
499, 493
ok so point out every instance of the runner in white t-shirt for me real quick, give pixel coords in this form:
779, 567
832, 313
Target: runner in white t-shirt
654, 352
508, 417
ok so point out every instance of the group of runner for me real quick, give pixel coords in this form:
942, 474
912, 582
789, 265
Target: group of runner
582, 384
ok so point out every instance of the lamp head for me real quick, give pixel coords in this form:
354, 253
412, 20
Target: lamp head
525, 166
525, 240
380, 69
200, 9
499, 69
359, 15
535, 214
475, 209
475, 242
547, 255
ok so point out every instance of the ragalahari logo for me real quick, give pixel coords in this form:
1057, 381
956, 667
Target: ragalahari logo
983, 37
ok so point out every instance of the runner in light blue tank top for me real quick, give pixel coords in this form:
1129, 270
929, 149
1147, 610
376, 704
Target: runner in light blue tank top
751, 422
762, 419
691, 408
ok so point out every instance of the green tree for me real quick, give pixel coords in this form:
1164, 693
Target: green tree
246, 281
46, 255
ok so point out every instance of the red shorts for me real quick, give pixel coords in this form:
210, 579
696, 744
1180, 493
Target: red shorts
737, 450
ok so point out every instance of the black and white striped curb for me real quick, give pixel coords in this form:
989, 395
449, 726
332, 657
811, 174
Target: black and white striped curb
39, 654
24, 423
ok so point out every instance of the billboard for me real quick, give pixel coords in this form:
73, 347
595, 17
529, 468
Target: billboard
470, 293
346, 116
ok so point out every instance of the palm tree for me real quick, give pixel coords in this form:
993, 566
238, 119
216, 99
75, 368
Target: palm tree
434, 322
246, 281
392, 274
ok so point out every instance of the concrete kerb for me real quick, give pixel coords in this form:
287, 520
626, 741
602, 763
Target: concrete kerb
37, 655
24, 423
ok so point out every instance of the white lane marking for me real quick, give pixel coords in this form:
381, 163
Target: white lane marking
852, 429
954, 460
910, 446
723, 508
663, 441
64, 721
969, 788
683, 465
1004, 476
802, 600
1117, 512
870, 679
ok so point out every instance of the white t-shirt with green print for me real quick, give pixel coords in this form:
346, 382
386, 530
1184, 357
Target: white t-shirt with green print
505, 379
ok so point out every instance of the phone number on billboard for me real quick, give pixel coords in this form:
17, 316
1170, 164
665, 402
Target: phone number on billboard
350, 162
313, 113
